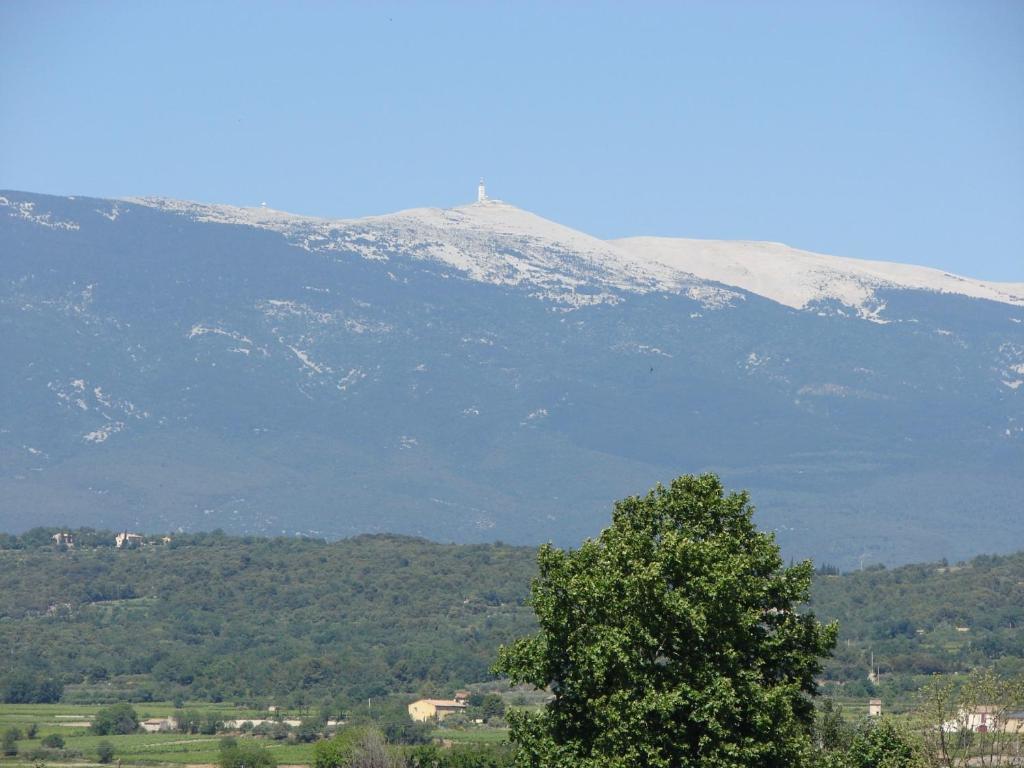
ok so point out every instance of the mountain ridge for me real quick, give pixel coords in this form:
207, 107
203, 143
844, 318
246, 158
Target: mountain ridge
164, 371
648, 262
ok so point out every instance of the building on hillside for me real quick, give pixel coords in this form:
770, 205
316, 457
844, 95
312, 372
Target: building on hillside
874, 707
159, 724
63, 539
126, 540
462, 696
1013, 721
434, 709
980, 719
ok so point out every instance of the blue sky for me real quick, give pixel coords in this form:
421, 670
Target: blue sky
887, 130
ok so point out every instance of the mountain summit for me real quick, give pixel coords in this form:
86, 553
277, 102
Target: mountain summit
494, 242
481, 372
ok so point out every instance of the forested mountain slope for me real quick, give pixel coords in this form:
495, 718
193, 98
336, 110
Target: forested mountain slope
230, 618
213, 616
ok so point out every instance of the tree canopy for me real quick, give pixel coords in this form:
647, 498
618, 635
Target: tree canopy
311, 623
115, 719
671, 640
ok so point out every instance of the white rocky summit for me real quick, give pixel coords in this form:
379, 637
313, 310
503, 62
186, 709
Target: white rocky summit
495, 242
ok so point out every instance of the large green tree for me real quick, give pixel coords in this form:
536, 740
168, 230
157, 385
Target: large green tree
115, 719
672, 640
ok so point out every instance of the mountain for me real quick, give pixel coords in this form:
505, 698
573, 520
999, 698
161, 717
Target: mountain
481, 373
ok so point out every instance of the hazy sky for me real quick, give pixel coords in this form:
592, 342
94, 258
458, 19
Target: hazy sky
888, 130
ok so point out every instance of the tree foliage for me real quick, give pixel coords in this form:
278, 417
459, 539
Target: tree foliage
671, 641
104, 752
461, 756
212, 617
53, 741
114, 720
9, 743
247, 754
336, 752
215, 617
948, 710
882, 743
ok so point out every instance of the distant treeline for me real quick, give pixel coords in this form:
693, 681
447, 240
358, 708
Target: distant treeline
920, 620
221, 618
300, 621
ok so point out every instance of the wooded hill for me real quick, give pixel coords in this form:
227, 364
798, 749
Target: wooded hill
303, 621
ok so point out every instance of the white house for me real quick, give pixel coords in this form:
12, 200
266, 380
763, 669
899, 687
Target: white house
980, 719
126, 540
159, 724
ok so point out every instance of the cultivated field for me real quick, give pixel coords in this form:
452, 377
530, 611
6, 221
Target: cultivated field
70, 722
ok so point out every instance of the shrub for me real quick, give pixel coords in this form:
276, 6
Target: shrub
53, 741
247, 755
114, 720
210, 724
337, 752
104, 752
10, 742
883, 742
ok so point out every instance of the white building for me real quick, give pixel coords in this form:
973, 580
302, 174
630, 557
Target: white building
159, 724
126, 539
979, 719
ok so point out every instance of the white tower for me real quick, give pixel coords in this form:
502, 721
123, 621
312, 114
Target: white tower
481, 193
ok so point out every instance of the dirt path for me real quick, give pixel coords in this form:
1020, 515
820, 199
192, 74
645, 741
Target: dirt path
159, 744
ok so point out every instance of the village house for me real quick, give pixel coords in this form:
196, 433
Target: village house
874, 707
984, 718
159, 724
63, 539
126, 540
434, 709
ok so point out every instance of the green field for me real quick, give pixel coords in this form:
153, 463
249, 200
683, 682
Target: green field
68, 720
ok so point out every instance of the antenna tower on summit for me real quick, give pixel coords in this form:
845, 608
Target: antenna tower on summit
481, 192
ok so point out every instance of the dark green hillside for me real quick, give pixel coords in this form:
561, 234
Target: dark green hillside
920, 620
236, 618
218, 617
